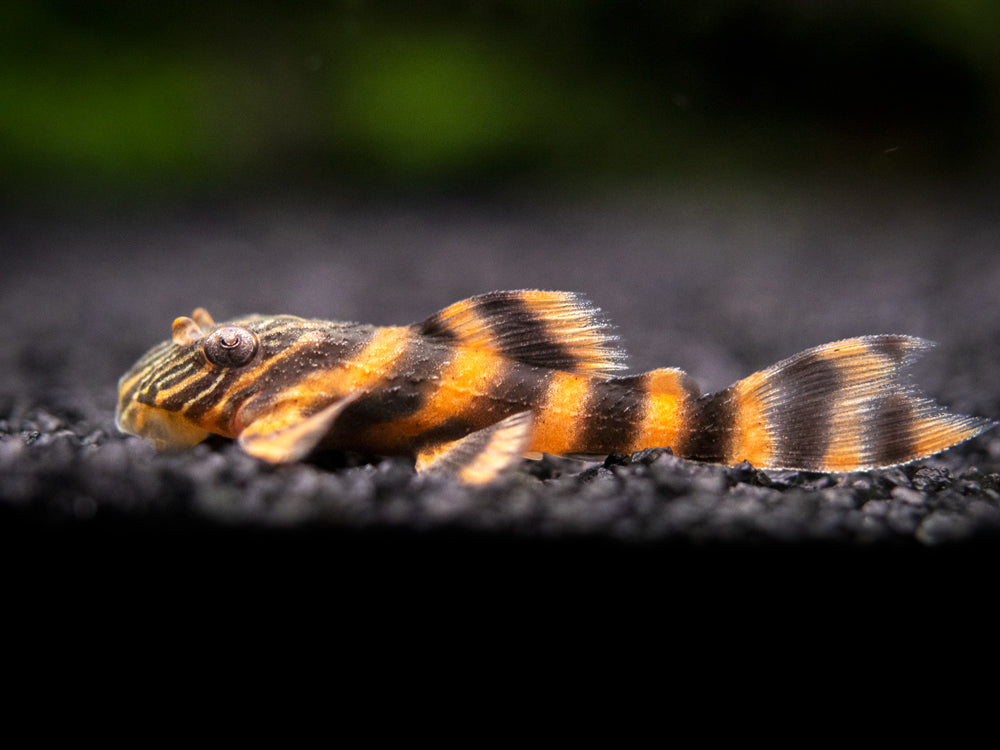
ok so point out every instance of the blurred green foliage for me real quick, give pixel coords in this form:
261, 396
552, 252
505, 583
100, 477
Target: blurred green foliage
180, 96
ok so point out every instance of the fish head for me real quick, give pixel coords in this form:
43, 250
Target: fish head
172, 394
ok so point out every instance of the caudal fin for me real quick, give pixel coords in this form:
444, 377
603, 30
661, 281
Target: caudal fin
838, 407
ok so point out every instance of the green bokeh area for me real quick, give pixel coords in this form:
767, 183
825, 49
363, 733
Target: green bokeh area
101, 95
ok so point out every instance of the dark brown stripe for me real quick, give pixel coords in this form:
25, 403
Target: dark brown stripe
518, 389
340, 343
449, 430
275, 339
182, 368
516, 328
523, 334
896, 348
148, 394
710, 429
196, 409
801, 425
891, 430
402, 391
329, 351
614, 413
437, 328
181, 398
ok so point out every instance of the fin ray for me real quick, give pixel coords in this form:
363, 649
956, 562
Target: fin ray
559, 330
281, 438
838, 407
479, 457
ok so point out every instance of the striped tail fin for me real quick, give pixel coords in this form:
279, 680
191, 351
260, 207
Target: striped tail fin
838, 407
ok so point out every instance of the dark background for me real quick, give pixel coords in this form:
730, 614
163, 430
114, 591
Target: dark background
731, 183
158, 102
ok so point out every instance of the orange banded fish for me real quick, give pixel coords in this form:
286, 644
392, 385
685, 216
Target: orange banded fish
503, 375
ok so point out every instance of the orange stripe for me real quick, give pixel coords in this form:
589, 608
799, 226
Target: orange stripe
570, 323
369, 365
935, 433
753, 438
846, 451
470, 376
558, 421
666, 414
213, 416
462, 320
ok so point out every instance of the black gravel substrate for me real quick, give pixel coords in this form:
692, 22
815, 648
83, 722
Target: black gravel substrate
720, 286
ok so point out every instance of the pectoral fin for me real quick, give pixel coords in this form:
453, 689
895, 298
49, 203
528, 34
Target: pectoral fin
480, 456
282, 437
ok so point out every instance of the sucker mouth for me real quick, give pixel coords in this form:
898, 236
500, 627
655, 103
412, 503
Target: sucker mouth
166, 430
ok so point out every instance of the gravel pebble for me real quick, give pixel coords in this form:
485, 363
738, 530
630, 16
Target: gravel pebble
63, 462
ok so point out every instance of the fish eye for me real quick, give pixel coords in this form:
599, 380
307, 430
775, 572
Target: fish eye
230, 346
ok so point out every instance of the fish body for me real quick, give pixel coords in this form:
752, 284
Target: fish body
490, 379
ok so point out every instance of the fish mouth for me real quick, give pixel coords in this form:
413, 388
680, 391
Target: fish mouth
166, 430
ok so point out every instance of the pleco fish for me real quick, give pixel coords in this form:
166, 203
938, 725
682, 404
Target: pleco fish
488, 380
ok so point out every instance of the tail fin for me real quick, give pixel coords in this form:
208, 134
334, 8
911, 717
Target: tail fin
838, 407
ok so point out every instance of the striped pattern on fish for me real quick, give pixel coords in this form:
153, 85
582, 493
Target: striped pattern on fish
490, 379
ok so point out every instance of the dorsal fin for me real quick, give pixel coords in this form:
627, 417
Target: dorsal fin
560, 330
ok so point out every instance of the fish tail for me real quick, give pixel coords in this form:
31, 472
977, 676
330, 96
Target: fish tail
838, 407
